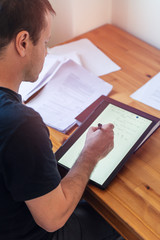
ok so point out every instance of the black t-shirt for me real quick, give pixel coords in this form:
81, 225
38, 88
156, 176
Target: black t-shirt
28, 168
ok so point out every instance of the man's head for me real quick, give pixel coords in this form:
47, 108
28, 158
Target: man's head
19, 15
25, 29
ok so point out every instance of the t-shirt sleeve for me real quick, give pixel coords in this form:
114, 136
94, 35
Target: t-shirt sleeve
30, 167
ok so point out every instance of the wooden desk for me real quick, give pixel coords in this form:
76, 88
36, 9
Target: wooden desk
131, 203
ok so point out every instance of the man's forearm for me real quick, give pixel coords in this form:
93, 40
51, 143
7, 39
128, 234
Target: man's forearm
53, 209
98, 144
74, 183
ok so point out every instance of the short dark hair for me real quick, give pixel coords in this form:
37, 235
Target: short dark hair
19, 15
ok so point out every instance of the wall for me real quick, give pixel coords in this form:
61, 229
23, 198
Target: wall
139, 17
74, 17
89, 14
62, 22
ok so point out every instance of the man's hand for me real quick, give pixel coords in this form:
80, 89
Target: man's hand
99, 142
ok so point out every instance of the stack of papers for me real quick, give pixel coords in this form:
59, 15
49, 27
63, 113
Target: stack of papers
90, 56
70, 80
149, 93
67, 94
51, 65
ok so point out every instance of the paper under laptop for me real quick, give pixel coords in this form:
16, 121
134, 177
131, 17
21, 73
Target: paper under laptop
67, 94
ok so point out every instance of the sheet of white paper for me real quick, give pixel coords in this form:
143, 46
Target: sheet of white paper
51, 65
91, 57
149, 93
70, 56
67, 94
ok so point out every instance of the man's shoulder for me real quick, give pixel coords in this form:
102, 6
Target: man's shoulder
25, 113
12, 110
17, 112
15, 115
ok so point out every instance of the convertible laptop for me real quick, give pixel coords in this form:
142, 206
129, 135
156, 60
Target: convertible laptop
132, 127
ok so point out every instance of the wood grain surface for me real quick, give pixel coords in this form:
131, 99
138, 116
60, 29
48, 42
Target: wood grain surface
131, 203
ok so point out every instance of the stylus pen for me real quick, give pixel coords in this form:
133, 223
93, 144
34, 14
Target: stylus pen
99, 125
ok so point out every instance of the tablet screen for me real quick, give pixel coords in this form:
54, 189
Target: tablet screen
128, 128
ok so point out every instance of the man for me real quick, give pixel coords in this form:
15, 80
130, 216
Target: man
34, 202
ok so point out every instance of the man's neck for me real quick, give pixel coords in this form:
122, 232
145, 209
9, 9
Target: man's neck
10, 69
9, 86
9, 76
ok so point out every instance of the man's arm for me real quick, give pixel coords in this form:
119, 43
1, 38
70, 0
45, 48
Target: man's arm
52, 210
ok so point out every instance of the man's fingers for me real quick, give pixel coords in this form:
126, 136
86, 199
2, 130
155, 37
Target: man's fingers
108, 126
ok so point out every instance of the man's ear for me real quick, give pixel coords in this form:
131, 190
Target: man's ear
22, 42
